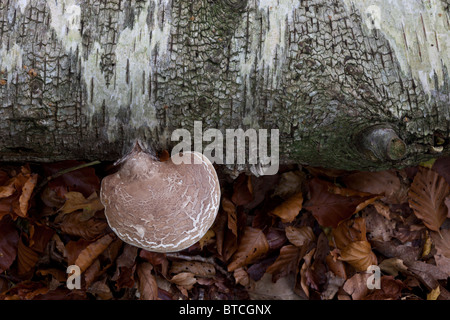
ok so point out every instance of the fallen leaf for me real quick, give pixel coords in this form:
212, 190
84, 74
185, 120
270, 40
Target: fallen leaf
300, 236
287, 262
393, 266
184, 279
230, 209
356, 286
243, 190
26, 258
83, 180
334, 283
100, 290
348, 232
434, 294
241, 276
390, 289
147, 286
92, 251
206, 238
198, 268
290, 184
75, 224
304, 281
427, 198
27, 190
9, 240
252, 245
76, 201
381, 182
359, 255
289, 209
427, 273
266, 289
330, 208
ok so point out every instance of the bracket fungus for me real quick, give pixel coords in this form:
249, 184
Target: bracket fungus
161, 206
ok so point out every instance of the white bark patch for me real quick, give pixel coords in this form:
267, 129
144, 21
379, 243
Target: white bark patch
277, 15
65, 20
135, 66
11, 59
22, 4
418, 32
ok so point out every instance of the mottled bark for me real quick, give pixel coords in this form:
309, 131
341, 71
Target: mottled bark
84, 79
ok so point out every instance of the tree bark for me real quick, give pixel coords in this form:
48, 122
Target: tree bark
350, 84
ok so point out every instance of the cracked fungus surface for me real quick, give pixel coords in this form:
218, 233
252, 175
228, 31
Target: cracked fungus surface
160, 206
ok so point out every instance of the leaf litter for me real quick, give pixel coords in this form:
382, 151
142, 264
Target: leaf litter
304, 233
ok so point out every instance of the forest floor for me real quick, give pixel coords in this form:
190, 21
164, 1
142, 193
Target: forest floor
305, 233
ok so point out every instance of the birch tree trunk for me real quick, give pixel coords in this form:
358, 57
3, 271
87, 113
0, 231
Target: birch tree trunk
350, 84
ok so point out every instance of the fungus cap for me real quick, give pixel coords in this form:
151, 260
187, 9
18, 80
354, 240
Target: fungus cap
161, 206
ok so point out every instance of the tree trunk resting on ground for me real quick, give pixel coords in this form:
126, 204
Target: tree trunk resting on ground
350, 84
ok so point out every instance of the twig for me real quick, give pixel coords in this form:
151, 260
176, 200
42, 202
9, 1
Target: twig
62, 172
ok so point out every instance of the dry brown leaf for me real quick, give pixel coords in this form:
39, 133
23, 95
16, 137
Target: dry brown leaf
290, 208
359, 255
100, 290
252, 246
92, 251
75, 224
26, 258
198, 268
9, 240
266, 289
287, 262
304, 283
8, 189
241, 276
290, 184
336, 266
147, 285
330, 204
243, 190
349, 231
76, 201
184, 279
27, 190
230, 210
381, 182
356, 286
300, 236
427, 198
393, 266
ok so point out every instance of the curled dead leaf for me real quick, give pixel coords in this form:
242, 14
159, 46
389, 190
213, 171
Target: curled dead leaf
427, 198
359, 255
252, 246
147, 286
289, 209
300, 236
92, 251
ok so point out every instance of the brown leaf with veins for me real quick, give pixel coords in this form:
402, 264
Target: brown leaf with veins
76, 224
92, 251
76, 201
289, 209
147, 286
427, 198
359, 255
299, 236
9, 240
287, 262
330, 204
252, 246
